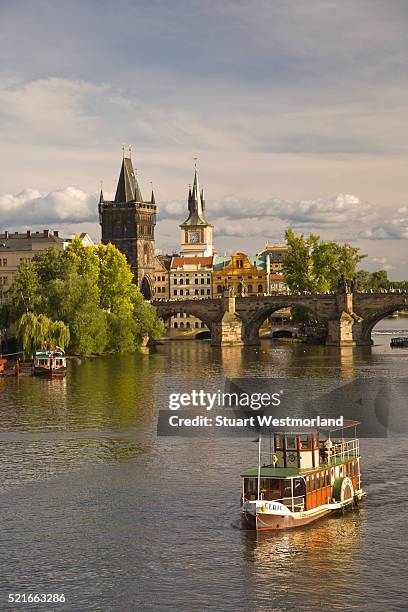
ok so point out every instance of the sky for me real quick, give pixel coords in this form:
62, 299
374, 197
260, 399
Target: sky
296, 111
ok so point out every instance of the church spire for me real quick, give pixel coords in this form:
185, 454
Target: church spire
195, 203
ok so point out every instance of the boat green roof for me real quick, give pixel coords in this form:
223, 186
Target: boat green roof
292, 472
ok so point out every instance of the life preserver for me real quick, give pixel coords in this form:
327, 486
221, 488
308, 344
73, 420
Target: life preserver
263, 507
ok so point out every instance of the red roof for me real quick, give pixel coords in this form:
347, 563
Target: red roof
277, 277
179, 262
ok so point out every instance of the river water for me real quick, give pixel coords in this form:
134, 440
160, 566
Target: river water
96, 506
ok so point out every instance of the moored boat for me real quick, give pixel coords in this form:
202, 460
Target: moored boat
306, 476
50, 363
399, 342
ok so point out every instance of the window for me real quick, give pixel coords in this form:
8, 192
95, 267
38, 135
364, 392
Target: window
187, 281
175, 292
260, 289
240, 263
249, 288
287, 488
196, 281
308, 483
202, 281
208, 280
305, 442
208, 291
328, 478
291, 442
175, 281
196, 291
202, 291
181, 291
219, 288
279, 442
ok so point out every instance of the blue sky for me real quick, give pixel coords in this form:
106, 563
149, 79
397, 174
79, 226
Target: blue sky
297, 112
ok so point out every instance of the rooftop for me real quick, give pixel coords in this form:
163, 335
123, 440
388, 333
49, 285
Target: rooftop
271, 472
179, 262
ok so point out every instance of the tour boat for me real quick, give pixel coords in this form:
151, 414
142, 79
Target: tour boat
50, 362
306, 476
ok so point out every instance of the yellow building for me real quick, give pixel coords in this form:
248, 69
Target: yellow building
245, 274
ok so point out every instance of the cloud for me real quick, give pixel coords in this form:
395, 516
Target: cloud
342, 209
32, 207
396, 229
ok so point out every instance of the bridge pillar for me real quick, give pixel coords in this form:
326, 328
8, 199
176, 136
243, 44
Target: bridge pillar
345, 328
340, 330
227, 330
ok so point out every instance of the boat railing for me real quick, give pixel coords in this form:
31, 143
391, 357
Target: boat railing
295, 504
343, 450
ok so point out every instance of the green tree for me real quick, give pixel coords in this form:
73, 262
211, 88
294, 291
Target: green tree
316, 266
115, 280
147, 325
34, 331
25, 293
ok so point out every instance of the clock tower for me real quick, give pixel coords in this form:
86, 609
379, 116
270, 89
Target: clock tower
196, 232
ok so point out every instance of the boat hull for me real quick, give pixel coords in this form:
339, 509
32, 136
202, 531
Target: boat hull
264, 521
47, 373
271, 522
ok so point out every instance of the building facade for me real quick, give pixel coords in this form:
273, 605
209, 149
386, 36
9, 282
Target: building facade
18, 247
245, 274
162, 277
128, 222
190, 279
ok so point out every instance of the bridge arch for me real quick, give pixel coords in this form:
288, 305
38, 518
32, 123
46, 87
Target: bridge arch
172, 310
371, 321
253, 323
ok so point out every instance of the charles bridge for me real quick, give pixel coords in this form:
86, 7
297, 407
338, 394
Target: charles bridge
348, 316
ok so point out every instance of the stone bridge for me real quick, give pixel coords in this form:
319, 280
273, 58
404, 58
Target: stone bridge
349, 317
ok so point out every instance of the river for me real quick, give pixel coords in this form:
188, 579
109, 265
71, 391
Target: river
96, 506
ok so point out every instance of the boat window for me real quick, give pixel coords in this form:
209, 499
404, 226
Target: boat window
287, 488
305, 442
308, 483
279, 442
351, 469
314, 486
298, 487
291, 442
328, 478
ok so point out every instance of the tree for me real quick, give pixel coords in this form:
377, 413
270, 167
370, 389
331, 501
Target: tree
316, 266
116, 285
34, 331
25, 293
89, 296
147, 325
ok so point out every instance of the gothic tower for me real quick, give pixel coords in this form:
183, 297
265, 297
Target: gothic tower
128, 222
196, 232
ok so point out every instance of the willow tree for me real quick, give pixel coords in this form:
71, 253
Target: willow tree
33, 331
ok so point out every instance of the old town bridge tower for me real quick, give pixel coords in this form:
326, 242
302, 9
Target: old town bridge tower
128, 222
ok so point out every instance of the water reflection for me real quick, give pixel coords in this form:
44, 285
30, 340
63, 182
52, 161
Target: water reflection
309, 564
